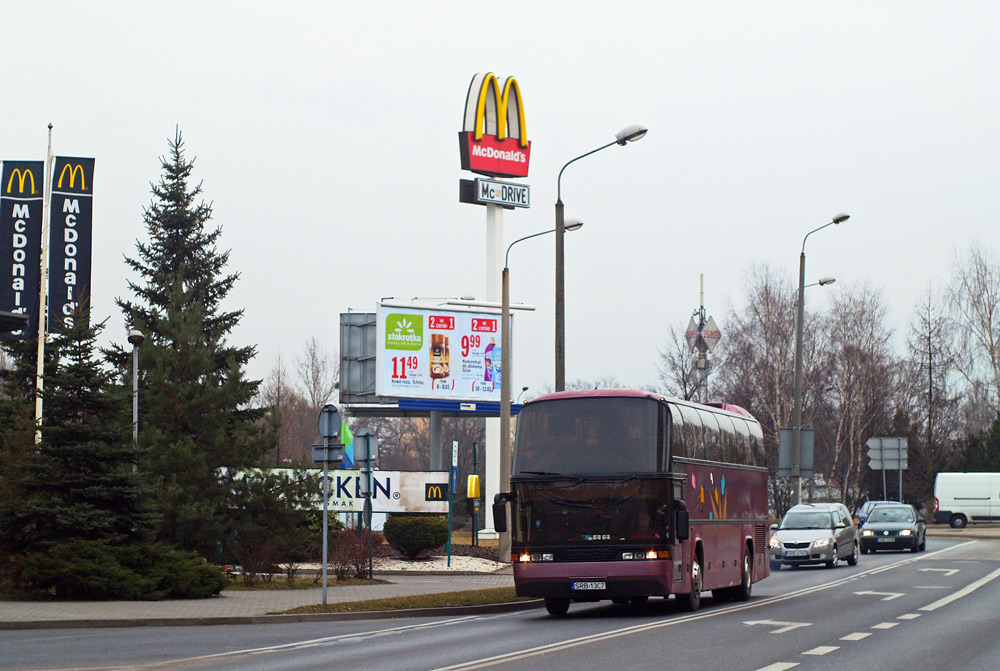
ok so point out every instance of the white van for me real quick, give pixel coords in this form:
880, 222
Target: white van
960, 498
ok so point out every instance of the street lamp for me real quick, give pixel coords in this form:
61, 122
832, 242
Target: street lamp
571, 225
622, 137
135, 337
799, 317
523, 389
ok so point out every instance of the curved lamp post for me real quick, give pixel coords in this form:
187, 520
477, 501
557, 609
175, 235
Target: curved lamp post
799, 317
622, 137
571, 225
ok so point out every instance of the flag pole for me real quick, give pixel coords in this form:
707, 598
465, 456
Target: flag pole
42, 287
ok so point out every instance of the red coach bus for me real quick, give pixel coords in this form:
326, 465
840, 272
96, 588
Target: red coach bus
622, 495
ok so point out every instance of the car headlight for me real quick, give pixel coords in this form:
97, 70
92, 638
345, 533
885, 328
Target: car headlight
821, 543
905, 532
866, 532
775, 543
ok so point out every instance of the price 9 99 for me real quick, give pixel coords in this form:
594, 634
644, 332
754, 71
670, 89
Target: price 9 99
469, 342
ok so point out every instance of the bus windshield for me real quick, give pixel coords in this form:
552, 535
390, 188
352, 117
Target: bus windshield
587, 436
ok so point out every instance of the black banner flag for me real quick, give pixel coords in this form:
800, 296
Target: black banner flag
21, 197
70, 239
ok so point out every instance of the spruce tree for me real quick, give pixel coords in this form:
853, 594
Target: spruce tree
197, 426
79, 483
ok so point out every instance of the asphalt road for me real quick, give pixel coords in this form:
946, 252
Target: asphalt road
894, 611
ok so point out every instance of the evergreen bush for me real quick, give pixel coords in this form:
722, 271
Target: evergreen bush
411, 535
93, 570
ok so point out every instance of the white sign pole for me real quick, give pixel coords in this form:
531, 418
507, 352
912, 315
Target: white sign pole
494, 266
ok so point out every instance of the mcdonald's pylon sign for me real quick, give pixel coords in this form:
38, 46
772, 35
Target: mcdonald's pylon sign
25, 178
493, 140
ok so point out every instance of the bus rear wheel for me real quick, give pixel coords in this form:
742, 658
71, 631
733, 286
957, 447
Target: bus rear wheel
556, 605
742, 591
690, 602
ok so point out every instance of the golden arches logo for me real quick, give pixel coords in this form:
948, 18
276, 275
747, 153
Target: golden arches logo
488, 108
434, 493
73, 170
22, 177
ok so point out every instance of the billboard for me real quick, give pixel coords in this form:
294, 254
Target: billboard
392, 491
435, 353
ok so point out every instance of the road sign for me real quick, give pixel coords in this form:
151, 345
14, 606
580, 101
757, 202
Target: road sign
330, 454
329, 422
806, 450
891, 454
364, 453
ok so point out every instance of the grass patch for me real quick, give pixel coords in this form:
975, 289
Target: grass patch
300, 583
479, 597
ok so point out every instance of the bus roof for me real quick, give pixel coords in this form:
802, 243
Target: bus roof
636, 393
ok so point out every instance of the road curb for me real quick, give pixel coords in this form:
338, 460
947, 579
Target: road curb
488, 609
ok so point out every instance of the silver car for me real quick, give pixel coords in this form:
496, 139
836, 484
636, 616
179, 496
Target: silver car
814, 533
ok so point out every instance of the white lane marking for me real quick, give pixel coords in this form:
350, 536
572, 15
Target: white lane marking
636, 629
965, 591
783, 626
909, 616
822, 650
930, 587
889, 596
778, 666
856, 636
947, 571
885, 625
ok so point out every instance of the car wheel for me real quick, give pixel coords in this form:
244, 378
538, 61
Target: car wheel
923, 544
958, 521
834, 559
775, 565
556, 605
742, 591
692, 600
853, 559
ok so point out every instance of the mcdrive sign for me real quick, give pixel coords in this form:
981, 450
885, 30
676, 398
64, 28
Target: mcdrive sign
493, 140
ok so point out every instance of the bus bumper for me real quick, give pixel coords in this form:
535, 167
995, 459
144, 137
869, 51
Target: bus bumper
581, 581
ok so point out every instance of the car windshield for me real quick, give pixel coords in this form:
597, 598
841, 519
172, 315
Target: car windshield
886, 514
810, 520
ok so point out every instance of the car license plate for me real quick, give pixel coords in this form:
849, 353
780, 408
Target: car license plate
886, 540
589, 585
796, 553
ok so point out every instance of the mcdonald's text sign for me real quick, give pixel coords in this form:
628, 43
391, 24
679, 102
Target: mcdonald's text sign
493, 140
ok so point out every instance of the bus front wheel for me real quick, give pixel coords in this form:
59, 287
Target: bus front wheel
692, 600
556, 605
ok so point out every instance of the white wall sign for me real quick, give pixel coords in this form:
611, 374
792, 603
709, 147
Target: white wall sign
392, 491
440, 354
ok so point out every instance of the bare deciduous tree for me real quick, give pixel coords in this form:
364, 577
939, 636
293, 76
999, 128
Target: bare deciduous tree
678, 367
975, 301
319, 373
290, 415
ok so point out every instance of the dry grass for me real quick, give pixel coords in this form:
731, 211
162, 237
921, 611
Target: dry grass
467, 598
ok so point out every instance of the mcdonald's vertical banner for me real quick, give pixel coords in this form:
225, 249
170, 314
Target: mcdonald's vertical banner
70, 239
21, 194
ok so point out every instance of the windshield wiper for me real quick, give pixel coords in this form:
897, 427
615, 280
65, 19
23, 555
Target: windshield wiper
537, 473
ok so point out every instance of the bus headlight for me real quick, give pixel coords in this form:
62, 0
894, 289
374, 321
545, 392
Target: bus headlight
536, 557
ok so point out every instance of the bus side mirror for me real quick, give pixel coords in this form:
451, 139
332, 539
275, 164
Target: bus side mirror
681, 525
500, 512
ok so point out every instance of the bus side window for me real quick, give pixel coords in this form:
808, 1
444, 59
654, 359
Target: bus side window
677, 434
743, 452
756, 444
694, 441
713, 437
728, 434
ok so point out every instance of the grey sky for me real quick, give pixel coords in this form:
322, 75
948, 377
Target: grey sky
326, 137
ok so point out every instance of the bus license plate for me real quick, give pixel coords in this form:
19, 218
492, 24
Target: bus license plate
589, 585
797, 553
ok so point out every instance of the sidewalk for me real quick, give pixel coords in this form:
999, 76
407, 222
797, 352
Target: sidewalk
983, 530
252, 606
